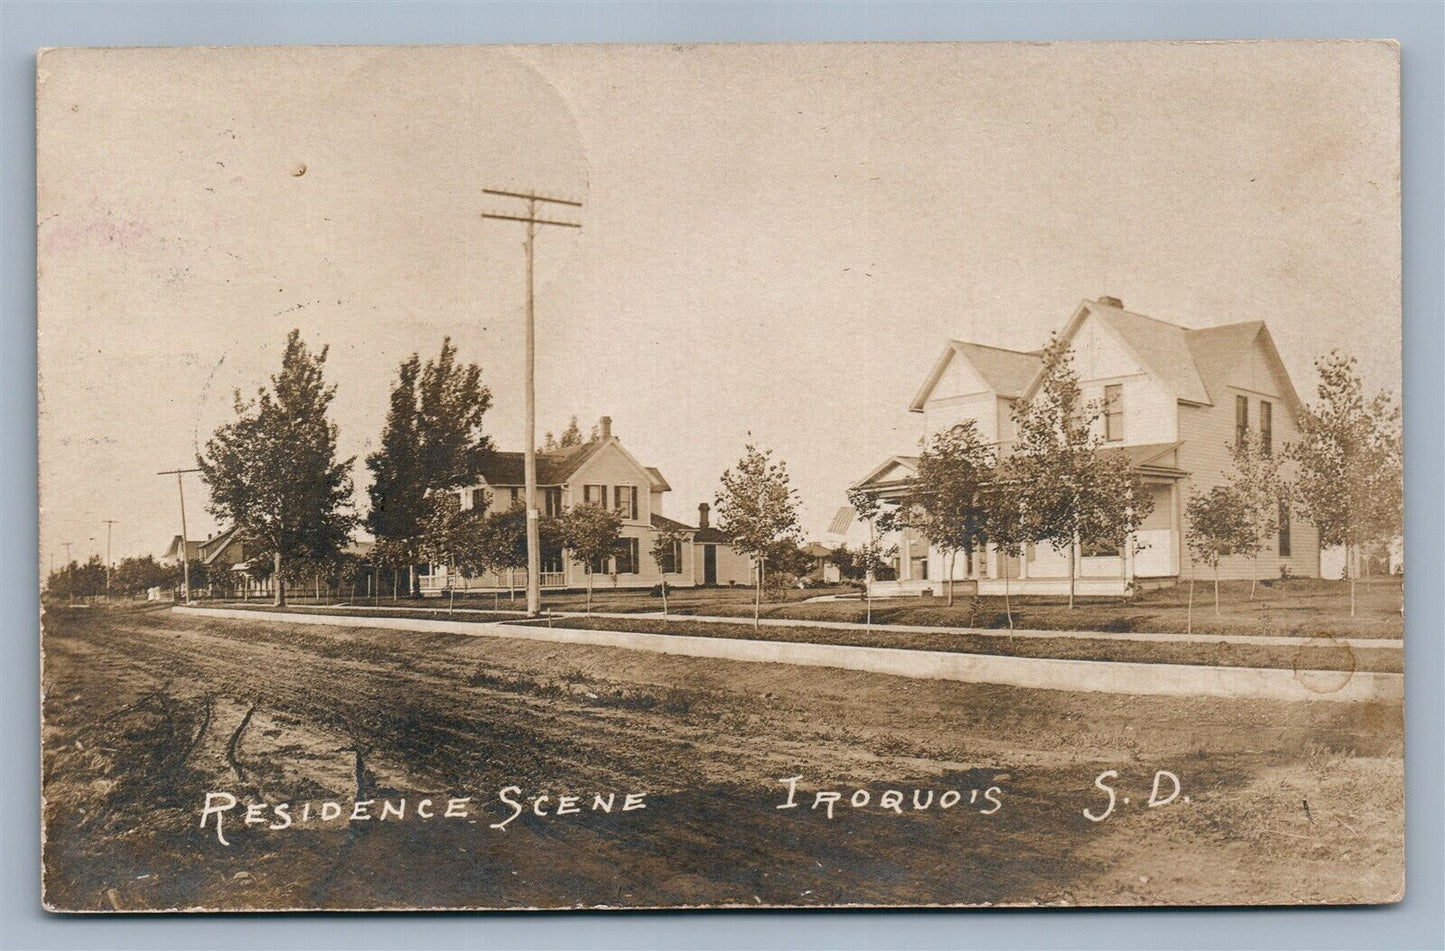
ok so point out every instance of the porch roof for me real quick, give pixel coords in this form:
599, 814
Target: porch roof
1150, 459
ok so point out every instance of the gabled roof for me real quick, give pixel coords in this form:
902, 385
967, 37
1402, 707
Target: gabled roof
906, 462
557, 466
553, 468
1161, 347
193, 548
213, 547
1217, 349
1181, 358
1006, 372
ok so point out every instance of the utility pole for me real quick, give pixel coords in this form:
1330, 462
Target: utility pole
108, 523
185, 543
529, 457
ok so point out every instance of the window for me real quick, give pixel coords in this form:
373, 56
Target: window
1241, 420
624, 500
466, 499
1266, 427
1107, 548
627, 550
1114, 412
1284, 546
671, 563
595, 495
552, 501
516, 495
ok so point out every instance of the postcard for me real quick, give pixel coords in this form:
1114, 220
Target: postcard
721, 476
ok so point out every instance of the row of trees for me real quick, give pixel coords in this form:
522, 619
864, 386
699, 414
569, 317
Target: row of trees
274, 473
130, 577
1344, 472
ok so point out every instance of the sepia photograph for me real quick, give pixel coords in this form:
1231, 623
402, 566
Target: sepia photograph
720, 476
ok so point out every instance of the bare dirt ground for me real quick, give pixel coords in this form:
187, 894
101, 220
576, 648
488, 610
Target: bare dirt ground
146, 712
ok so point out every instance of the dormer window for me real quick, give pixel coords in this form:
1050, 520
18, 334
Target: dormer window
1114, 412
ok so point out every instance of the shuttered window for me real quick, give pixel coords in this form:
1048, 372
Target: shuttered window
624, 500
595, 495
627, 552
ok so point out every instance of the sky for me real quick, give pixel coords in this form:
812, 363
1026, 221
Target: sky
777, 241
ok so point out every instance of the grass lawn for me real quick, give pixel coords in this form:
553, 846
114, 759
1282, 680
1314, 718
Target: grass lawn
1298, 607
1311, 654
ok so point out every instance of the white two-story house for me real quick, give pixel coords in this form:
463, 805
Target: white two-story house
599, 472
1175, 400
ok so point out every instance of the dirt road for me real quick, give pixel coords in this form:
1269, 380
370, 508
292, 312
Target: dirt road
146, 713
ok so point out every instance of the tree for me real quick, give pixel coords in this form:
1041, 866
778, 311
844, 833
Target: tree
943, 500
872, 555
1349, 452
450, 536
846, 561
1218, 524
591, 533
273, 471
502, 543
571, 437
1006, 526
432, 442
1073, 492
666, 551
136, 575
789, 561
450, 407
1256, 478
758, 508
398, 484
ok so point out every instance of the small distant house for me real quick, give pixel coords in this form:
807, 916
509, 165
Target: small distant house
822, 570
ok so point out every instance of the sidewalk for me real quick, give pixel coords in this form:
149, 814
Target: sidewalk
1089, 676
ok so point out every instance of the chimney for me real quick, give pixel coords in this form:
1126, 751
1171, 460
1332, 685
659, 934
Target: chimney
1111, 302
606, 423
702, 511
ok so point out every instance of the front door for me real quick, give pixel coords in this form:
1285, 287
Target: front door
709, 564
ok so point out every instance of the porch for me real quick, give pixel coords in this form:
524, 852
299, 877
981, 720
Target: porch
1147, 559
438, 581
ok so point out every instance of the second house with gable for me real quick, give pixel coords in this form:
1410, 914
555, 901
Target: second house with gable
599, 472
